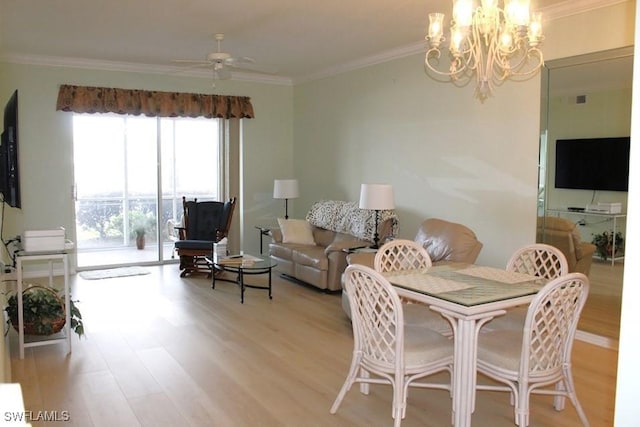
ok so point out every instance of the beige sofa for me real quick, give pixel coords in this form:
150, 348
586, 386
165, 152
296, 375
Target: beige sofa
336, 226
564, 235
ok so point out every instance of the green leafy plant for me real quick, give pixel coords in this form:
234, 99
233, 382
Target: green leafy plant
43, 311
604, 243
140, 230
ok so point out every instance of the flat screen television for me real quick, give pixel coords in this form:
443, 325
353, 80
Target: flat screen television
9, 173
593, 164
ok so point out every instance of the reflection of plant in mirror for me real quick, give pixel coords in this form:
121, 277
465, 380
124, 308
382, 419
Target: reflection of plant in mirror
604, 243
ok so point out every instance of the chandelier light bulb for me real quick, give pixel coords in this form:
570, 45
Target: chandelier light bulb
535, 29
456, 41
517, 11
435, 28
463, 12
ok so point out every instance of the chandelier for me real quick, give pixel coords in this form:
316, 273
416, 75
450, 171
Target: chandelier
494, 43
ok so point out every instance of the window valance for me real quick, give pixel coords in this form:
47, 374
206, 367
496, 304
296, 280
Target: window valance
86, 99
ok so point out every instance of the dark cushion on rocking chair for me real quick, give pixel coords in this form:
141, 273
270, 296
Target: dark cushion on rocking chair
204, 245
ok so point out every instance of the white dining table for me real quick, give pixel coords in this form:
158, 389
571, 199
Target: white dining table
468, 296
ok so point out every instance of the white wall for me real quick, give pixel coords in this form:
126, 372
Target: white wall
446, 154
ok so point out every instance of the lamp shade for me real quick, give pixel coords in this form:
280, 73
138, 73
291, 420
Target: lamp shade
376, 196
285, 189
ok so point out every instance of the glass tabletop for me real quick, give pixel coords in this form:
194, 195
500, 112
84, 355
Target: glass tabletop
244, 261
468, 285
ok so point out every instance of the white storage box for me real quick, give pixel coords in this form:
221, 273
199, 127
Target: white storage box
44, 240
612, 208
596, 209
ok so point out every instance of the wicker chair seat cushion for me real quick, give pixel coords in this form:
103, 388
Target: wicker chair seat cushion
501, 348
422, 347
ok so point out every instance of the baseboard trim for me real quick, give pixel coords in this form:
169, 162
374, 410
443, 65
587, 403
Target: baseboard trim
598, 340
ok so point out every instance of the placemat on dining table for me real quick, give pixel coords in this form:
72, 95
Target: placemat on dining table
426, 283
502, 276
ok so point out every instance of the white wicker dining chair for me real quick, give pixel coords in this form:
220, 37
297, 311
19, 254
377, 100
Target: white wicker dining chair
385, 350
539, 355
539, 260
401, 254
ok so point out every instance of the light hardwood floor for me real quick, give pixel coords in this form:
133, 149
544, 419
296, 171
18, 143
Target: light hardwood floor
601, 313
161, 350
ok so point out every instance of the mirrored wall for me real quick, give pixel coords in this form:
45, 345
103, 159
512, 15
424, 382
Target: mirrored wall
586, 101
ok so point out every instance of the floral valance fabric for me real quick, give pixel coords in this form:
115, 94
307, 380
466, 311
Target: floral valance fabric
85, 99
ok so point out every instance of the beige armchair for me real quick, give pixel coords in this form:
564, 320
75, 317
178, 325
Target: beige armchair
564, 235
445, 241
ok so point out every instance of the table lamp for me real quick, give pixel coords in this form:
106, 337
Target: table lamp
285, 189
376, 197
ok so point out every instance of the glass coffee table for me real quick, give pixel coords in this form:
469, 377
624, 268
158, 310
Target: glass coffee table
242, 265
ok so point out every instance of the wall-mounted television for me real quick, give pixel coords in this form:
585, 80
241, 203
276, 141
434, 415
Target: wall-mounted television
9, 173
593, 164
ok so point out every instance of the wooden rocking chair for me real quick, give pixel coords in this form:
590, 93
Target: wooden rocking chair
205, 223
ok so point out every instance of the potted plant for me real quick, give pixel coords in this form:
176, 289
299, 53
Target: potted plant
43, 312
140, 223
140, 231
604, 244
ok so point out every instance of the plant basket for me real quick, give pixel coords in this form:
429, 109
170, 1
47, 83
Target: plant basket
36, 320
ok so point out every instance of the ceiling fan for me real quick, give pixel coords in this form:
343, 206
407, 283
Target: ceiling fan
220, 62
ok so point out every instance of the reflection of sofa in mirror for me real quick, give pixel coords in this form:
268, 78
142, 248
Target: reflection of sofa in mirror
564, 235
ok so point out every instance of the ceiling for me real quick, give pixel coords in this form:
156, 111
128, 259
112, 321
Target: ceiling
297, 40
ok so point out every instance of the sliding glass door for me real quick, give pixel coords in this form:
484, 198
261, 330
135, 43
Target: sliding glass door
130, 175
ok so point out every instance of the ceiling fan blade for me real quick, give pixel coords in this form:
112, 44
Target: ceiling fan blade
258, 68
239, 61
192, 61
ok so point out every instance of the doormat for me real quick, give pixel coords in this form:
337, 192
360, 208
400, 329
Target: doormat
113, 272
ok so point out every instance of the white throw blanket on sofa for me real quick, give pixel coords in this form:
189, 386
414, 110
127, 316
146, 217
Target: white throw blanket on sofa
347, 217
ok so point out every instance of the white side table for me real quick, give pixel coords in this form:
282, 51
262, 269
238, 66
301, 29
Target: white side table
50, 257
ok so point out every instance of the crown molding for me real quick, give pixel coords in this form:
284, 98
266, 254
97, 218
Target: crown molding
92, 64
572, 7
550, 13
382, 57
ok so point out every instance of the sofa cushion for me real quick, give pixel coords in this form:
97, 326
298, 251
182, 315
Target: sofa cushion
577, 242
282, 251
296, 231
312, 256
556, 223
